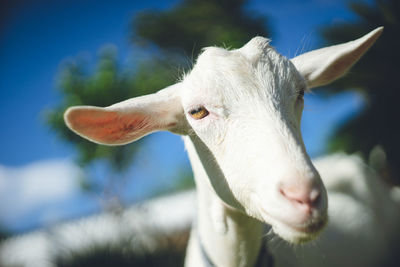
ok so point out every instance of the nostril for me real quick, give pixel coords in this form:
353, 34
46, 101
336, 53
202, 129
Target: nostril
315, 196
303, 196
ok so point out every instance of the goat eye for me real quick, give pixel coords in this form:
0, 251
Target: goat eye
198, 113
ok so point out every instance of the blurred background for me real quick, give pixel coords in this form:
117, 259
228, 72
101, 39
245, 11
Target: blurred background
56, 54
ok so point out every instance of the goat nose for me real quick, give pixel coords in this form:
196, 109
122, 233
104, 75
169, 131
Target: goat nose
304, 197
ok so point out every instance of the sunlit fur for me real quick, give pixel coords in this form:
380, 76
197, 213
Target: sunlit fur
252, 96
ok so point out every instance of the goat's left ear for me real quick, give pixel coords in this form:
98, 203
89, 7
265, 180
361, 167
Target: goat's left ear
322, 66
129, 120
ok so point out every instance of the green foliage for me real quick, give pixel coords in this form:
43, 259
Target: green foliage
4, 234
174, 33
195, 24
375, 76
107, 85
183, 182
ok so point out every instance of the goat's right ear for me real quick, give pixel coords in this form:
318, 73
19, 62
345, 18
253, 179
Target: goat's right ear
129, 120
322, 66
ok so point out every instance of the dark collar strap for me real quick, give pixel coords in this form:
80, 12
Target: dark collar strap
264, 259
206, 259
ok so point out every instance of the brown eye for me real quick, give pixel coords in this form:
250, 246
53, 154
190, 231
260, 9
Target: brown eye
198, 113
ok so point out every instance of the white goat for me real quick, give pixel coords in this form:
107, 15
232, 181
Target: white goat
239, 112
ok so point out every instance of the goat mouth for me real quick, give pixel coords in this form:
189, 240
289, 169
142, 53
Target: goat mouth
295, 233
314, 225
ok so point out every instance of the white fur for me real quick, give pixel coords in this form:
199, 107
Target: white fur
248, 157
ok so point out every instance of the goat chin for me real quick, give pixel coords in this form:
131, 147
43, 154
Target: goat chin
300, 235
297, 231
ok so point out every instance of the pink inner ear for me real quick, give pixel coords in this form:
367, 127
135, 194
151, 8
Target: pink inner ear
109, 127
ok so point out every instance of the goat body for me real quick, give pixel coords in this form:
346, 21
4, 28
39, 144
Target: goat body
239, 112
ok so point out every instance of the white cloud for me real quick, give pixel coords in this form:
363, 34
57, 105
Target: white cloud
26, 190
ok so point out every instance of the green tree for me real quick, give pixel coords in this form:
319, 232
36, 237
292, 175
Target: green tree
183, 31
108, 84
375, 77
170, 36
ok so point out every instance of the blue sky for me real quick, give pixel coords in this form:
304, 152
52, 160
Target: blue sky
39, 35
